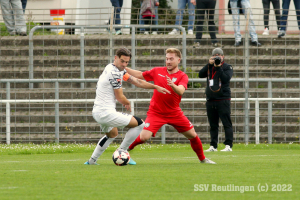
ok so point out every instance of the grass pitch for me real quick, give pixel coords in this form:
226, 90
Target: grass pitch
162, 172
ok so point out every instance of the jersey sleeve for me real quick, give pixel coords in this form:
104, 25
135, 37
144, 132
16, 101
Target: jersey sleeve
184, 81
115, 80
148, 75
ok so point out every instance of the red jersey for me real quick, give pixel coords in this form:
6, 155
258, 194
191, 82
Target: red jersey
165, 103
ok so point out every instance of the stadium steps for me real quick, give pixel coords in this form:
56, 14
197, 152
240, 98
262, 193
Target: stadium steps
285, 120
149, 49
277, 58
136, 93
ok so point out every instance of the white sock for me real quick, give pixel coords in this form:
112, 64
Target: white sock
131, 135
102, 145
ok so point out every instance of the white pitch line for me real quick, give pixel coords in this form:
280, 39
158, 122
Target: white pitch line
19, 170
41, 161
5, 188
166, 158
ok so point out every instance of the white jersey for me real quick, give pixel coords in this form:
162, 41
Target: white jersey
110, 79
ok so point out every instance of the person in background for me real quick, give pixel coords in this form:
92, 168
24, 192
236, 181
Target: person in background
117, 4
218, 96
236, 22
13, 17
207, 6
276, 6
24, 3
284, 16
148, 14
179, 16
141, 21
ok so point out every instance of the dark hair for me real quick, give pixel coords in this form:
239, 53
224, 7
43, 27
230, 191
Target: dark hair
123, 52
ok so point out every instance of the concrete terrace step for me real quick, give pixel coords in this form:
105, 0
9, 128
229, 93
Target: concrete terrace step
170, 137
194, 68
270, 50
79, 128
103, 39
159, 60
131, 93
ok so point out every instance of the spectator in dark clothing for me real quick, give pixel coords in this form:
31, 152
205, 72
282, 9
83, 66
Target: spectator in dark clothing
24, 3
276, 6
218, 96
285, 13
207, 6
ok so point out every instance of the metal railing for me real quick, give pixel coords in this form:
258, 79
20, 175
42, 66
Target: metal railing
132, 101
57, 101
132, 27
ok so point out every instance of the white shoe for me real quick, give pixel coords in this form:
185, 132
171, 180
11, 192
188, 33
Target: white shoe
174, 32
207, 161
154, 33
119, 32
211, 148
190, 32
106, 22
266, 31
146, 33
280, 34
227, 148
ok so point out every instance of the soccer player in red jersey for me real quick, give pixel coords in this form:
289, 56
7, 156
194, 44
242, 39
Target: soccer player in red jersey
164, 109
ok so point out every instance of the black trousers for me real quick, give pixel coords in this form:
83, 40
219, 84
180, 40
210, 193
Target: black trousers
216, 110
203, 6
149, 20
276, 6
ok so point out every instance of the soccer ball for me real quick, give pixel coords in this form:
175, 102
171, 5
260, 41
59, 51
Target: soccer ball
121, 157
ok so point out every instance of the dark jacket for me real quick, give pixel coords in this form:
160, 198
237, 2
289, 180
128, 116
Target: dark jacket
224, 73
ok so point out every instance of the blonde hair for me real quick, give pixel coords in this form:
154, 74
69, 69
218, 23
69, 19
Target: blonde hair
174, 50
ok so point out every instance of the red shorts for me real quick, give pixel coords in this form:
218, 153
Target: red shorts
155, 121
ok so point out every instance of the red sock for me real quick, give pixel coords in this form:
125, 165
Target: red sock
136, 142
197, 147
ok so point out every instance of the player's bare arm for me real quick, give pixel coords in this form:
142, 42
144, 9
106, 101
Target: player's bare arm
135, 73
143, 84
178, 89
122, 99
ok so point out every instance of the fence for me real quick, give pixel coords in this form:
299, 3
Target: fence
57, 101
273, 72
82, 28
132, 101
166, 16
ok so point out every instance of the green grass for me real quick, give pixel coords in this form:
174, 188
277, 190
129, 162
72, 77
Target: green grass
30, 25
171, 171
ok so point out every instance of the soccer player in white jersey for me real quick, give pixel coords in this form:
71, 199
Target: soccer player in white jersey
109, 89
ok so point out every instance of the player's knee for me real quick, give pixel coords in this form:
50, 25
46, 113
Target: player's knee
139, 121
112, 135
144, 136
